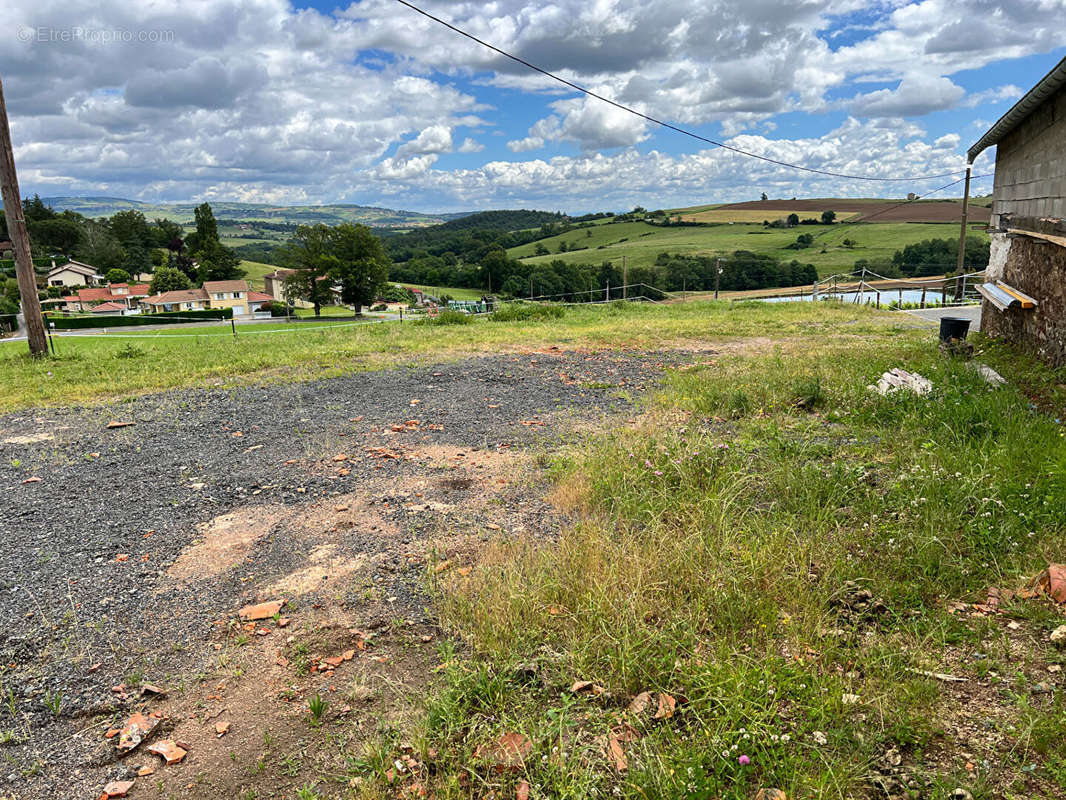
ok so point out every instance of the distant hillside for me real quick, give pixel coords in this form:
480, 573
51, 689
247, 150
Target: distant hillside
502, 220
472, 236
255, 212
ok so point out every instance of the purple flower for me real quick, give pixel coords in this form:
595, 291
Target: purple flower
658, 472
743, 760
647, 463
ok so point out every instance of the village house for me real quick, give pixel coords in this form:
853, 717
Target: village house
1025, 296
214, 295
126, 295
73, 273
274, 284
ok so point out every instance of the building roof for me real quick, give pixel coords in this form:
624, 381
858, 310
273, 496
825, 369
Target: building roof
258, 297
226, 286
176, 296
108, 307
74, 266
1047, 86
280, 273
92, 295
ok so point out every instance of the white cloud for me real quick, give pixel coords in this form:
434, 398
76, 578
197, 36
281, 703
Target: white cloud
253, 98
915, 96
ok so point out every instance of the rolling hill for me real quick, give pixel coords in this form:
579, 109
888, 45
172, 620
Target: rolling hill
255, 212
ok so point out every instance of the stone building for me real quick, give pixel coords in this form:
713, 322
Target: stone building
1028, 225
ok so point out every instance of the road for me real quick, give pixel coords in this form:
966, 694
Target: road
934, 315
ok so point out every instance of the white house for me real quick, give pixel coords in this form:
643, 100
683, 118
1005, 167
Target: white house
73, 273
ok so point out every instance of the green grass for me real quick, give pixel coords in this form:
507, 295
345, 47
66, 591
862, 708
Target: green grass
453, 291
713, 542
254, 272
101, 367
325, 311
644, 242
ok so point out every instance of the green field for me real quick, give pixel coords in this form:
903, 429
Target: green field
452, 291
254, 272
94, 367
641, 243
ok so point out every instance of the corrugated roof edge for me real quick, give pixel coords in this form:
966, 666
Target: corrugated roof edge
1049, 84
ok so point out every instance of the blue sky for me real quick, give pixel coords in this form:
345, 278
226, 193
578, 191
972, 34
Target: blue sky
265, 101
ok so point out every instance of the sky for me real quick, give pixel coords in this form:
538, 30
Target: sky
370, 103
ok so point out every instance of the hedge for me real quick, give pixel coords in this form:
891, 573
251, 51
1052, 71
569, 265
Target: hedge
166, 318
8, 322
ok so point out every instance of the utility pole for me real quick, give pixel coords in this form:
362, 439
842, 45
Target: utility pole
625, 278
20, 238
717, 275
962, 237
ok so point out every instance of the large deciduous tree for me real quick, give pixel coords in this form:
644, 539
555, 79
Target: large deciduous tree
309, 253
360, 264
169, 279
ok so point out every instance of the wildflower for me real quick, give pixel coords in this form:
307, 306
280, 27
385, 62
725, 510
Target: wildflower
743, 760
658, 472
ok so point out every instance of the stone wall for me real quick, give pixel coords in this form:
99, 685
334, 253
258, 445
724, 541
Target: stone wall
1038, 269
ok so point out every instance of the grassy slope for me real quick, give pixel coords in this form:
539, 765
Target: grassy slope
716, 539
645, 242
254, 273
92, 368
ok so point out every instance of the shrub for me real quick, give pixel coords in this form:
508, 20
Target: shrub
448, 317
276, 308
515, 312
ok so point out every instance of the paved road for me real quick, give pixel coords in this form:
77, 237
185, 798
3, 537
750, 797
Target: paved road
933, 315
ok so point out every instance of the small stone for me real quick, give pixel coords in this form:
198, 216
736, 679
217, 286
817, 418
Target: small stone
1058, 636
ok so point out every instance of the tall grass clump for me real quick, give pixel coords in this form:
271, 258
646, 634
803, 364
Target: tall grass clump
448, 317
718, 540
521, 312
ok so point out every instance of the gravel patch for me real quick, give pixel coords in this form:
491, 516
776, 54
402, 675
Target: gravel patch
94, 520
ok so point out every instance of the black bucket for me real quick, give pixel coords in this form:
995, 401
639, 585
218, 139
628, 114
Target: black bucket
953, 328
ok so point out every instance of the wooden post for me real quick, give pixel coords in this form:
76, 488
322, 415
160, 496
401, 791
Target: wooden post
20, 238
923, 295
625, 278
962, 237
717, 276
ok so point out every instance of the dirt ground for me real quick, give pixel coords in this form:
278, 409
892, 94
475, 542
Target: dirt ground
129, 552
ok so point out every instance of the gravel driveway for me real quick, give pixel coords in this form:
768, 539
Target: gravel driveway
128, 550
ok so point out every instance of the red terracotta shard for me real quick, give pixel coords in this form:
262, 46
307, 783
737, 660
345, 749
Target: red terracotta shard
261, 610
136, 730
221, 729
507, 752
33, 479
168, 750
116, 789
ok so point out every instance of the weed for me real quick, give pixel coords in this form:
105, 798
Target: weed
307, 793
524, 312
448, 317
53, 701
317, 706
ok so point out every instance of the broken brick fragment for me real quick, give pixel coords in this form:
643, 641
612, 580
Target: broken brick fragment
168, 750
261, 610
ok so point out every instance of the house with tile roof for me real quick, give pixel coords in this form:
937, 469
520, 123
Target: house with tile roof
126, 295
73, 273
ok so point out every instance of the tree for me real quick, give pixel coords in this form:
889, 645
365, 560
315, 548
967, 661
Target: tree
828, 217
35, 210
217, 262
206, 228
764, 197
130, 228
309, 254
117, 276
360, 264
58, 234
169, 279
793, 220
100, 248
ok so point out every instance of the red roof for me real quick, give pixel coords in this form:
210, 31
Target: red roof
108, 307
89, 295
258, 297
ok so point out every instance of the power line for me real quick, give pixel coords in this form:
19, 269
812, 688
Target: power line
660, 122
868, 217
